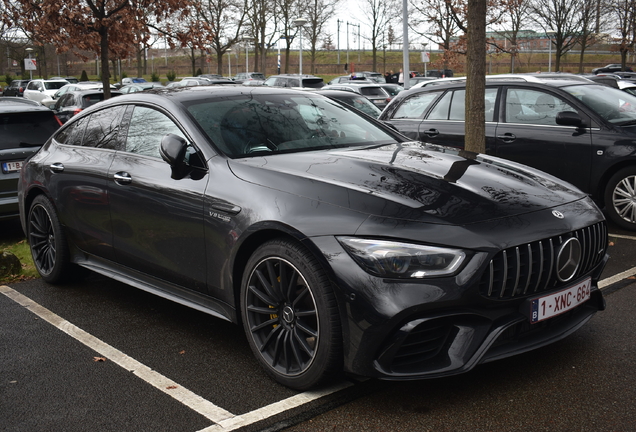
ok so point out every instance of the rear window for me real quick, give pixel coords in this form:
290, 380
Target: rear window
313, 82
54, 85
258, 76
29, 129
372, 91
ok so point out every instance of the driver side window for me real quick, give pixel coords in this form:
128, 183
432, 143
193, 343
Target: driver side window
147, 128
533, 107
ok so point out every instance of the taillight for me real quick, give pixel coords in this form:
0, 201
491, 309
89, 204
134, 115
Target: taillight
77, 111
58, 120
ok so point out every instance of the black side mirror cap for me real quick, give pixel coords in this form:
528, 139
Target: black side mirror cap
173, 150
570, 118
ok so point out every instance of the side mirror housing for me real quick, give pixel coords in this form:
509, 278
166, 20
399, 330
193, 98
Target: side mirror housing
173, 150
570, 118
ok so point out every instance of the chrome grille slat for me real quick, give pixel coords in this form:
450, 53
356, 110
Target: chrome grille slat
530, 268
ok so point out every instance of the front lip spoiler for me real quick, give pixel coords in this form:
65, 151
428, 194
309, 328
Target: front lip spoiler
509, 338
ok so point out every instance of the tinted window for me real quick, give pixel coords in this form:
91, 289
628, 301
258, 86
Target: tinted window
310, 82
453, 106
533, 107
415, 106
147, 129
74, 133
54, 85
26, 129
103, 128
372, 91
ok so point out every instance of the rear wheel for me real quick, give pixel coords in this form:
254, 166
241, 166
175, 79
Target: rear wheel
290, 315
620, 198
47, 240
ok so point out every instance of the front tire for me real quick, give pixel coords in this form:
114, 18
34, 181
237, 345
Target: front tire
620, 198
48, 243
290, 315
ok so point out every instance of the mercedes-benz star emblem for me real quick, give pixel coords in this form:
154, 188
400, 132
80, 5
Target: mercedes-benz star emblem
568, 259
558, 214
288, 314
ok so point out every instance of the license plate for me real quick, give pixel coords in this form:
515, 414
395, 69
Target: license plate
9, 167
557, 303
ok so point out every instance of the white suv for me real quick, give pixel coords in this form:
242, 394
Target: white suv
40, 89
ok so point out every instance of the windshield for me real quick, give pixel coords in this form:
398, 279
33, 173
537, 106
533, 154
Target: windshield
247, 125
615, 106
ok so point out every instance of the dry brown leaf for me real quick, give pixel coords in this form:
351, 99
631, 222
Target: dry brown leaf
611, 243
171, 387
99, 359
182, 352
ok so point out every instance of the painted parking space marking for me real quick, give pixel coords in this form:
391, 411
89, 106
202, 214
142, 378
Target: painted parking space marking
224, 420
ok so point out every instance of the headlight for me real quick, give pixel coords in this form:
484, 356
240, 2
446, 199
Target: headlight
402, 260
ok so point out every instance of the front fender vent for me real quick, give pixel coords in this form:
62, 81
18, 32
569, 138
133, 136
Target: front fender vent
531, 268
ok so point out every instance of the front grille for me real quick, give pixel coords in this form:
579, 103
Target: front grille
530, 268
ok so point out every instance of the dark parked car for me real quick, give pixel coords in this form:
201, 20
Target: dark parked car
612, 68
353, 99
74, 102
24, 126
335, 242
376, 94
568, 126
16, 88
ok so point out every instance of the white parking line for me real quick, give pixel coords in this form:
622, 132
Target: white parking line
225, 420
166, 385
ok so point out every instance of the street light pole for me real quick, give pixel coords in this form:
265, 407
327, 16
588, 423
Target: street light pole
300, 22
549, 34
247, 53
229, 63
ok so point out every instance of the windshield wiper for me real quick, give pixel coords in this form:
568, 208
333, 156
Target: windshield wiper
627, 123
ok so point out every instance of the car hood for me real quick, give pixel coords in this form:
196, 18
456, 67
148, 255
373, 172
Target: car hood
411, 181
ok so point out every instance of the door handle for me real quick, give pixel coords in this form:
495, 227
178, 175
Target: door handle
57, 167
122, 177
431, 132
507, 137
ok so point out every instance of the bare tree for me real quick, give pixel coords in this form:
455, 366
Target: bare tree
318, 13
379, 15
515, 16
624, 11
225, 18
564, 18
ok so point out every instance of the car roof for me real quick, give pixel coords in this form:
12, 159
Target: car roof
16, 104
552, 79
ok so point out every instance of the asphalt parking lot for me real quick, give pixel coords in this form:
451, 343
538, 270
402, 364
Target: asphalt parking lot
100, 355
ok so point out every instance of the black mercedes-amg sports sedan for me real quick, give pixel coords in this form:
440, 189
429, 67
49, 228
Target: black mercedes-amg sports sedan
338, 244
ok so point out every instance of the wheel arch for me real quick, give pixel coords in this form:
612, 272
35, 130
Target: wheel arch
261, 235
599, 194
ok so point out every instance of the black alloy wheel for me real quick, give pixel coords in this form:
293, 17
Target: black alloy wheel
290, 315
48, 243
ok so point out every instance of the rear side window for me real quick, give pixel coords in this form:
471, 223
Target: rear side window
103, 128
26, 129
73, 133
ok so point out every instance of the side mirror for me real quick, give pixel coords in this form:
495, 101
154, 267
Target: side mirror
570, 118
173, 149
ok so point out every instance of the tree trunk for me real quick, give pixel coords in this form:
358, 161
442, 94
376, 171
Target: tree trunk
103, 33
475, 140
